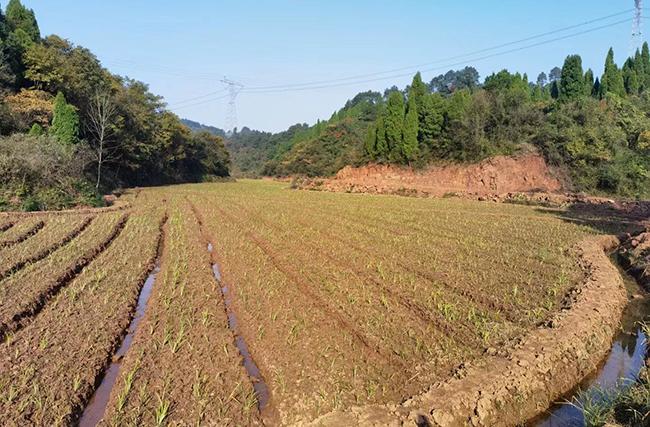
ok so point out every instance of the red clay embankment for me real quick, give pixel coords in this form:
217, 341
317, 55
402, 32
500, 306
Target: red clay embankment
496, 175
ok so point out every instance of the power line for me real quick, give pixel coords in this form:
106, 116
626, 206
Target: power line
446, 66
199, 97
208, 76
342, 81
207, 101
529, 38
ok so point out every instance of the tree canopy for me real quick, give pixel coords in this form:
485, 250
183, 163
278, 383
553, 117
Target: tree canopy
47, 89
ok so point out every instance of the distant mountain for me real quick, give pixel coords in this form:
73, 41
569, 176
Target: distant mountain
317, 150
200, 127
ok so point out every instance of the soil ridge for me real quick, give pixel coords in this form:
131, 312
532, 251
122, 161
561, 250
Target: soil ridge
544, 365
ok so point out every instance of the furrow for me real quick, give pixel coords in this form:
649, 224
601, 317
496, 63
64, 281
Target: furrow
24, 236
46, 251
10, 324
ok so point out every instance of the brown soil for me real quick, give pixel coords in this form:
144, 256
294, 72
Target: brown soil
6, 226
23, 303
42, 253
24, 235
497, 175
183, 355
53, 364
513, 388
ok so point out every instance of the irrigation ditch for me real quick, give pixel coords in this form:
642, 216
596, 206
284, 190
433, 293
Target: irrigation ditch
96, 407
544, 367
267, 412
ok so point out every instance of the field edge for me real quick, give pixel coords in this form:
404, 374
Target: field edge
547, 363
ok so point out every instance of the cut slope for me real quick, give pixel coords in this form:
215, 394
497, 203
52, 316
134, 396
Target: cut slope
497, 175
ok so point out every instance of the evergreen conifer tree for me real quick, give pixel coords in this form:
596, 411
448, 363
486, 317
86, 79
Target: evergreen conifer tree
410, 131
572, 80
65, 123
612, 80
394, 123
589, 82
19, 17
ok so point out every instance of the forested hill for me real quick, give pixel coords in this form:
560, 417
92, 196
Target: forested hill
70, 129
595, 127
199, 127
320, 149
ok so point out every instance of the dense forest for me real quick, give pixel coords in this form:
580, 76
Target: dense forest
70, 130
597, 128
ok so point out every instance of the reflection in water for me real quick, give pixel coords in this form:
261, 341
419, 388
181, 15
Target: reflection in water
621, 368
260, 387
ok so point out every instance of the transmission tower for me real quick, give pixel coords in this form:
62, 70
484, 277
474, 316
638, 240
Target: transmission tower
637, 35
231, 114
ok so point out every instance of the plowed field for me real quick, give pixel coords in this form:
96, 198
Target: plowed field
249, 303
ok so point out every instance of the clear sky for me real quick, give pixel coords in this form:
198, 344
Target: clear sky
182, 49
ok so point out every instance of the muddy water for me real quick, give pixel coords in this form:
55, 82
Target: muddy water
620, 369
97, 406
260, 387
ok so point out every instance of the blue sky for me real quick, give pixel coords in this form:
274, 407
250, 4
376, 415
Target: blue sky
183, 49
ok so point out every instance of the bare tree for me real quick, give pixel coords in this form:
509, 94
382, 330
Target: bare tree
101, 113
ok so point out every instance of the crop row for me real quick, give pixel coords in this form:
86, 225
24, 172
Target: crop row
49, 369
415, 286
6, 224
25, 292
183, 366
510, 244
20, 232
56, 233
310, 352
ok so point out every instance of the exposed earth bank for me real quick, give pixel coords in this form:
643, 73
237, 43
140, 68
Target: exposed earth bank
497, 175
512, 387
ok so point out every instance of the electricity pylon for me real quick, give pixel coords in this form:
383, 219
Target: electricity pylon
637, 35
231, 114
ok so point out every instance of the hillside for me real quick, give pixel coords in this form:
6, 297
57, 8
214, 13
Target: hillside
595, 129
199, 127
71, 130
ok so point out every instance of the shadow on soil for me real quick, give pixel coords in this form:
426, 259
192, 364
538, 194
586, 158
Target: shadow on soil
607, 218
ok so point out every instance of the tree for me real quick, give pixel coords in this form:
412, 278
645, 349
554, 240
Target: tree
29, 107
542, 80
431, 119
555, 74
612, 80
3, 26
589, 82
7, 76
16, 44
572, 81
448, 83
645, 63
43, 66
370, 144
595, 91
410, 132
418, 90
394, 122
429, 111
19, 17
65, 123
630, 80
381, 146
101, 114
